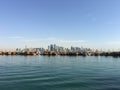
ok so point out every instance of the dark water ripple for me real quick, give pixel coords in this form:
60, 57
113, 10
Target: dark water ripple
59, 73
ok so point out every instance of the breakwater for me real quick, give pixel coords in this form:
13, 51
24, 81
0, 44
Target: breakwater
19, 53
53, 53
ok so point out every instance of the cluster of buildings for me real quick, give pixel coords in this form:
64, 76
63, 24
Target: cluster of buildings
53, 49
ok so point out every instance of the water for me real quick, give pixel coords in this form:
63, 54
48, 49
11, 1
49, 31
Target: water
59, 73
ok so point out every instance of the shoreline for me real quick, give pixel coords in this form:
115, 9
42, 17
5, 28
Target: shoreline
113, 54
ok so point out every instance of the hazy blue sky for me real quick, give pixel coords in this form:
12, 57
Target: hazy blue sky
35, 23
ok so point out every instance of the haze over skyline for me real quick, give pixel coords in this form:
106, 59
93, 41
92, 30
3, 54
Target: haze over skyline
38, 23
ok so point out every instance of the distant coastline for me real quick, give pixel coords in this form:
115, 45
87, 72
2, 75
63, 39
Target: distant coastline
52, 53
54, 50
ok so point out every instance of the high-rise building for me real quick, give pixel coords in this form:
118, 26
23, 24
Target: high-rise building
48, 48
55, 47
51, 47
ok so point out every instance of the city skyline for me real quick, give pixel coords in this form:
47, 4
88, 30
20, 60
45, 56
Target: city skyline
38, 23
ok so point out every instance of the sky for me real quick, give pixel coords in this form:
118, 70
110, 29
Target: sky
38, 23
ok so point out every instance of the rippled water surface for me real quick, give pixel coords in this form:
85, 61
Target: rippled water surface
59, 73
